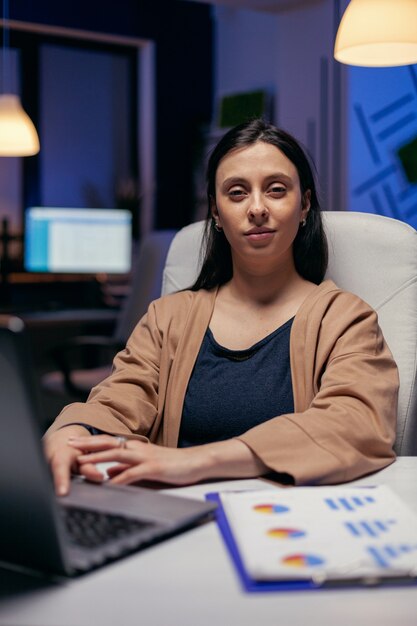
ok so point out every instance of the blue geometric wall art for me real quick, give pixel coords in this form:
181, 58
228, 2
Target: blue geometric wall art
407, 155
382, 132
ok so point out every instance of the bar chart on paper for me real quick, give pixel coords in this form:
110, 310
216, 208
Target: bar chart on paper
370, 528
349, 504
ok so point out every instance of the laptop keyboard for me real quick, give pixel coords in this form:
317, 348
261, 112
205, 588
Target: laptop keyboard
90, 529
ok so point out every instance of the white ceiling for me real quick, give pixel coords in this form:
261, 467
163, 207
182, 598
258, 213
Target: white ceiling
271, 6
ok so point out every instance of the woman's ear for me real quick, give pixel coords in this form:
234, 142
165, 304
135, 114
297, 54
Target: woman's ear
306, 203
214, 211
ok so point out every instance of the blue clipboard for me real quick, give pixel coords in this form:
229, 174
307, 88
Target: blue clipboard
247, 582
251, 585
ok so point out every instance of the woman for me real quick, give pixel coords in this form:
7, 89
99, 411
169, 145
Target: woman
261, 366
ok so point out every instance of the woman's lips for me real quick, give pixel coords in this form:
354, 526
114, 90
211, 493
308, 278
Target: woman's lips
260, 235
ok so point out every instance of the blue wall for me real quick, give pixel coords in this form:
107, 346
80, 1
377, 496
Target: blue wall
182, 32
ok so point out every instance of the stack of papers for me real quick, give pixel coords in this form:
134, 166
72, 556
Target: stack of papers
320, 534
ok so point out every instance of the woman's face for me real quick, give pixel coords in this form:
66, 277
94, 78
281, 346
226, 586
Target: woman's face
259, 204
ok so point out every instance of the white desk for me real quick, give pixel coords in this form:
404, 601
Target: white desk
190, 581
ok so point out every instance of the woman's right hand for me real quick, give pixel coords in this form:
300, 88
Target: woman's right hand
62, 457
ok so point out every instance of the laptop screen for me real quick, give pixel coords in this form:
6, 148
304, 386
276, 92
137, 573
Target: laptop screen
65, 240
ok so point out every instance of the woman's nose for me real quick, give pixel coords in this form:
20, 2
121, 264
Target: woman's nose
257, 209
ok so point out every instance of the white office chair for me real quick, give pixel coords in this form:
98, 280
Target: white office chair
372, 256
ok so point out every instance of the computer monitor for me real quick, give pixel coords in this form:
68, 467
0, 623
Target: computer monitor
81, 240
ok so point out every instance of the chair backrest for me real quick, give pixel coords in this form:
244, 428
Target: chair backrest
146, 281
372, 256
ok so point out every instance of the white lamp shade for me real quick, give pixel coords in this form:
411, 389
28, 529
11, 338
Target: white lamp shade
18, 136
378, 33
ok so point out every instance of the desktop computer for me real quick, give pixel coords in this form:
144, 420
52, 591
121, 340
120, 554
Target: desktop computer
77, 240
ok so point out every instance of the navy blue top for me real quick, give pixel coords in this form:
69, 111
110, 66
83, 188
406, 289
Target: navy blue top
231, 391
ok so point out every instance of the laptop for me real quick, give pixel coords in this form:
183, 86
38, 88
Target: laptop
94, 524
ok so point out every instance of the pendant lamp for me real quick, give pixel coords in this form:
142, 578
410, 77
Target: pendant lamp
18, 136
378, 33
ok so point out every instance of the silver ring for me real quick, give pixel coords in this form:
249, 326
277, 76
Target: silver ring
122, 441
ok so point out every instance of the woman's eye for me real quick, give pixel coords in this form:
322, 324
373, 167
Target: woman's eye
236, 194
277, 189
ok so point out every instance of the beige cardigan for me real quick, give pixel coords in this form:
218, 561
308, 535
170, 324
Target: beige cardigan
345, 386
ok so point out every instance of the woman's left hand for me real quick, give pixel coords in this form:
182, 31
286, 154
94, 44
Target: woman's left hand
136, 460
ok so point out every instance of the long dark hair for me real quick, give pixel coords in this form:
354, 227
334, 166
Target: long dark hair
310, 244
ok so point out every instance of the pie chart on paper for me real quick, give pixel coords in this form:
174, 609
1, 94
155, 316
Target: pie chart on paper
270, 508
286, 533
303, 560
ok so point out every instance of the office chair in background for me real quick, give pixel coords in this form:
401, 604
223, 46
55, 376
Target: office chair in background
372, 256
96, 353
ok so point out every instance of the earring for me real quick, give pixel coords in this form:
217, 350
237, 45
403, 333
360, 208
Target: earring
303, 222
217, 227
